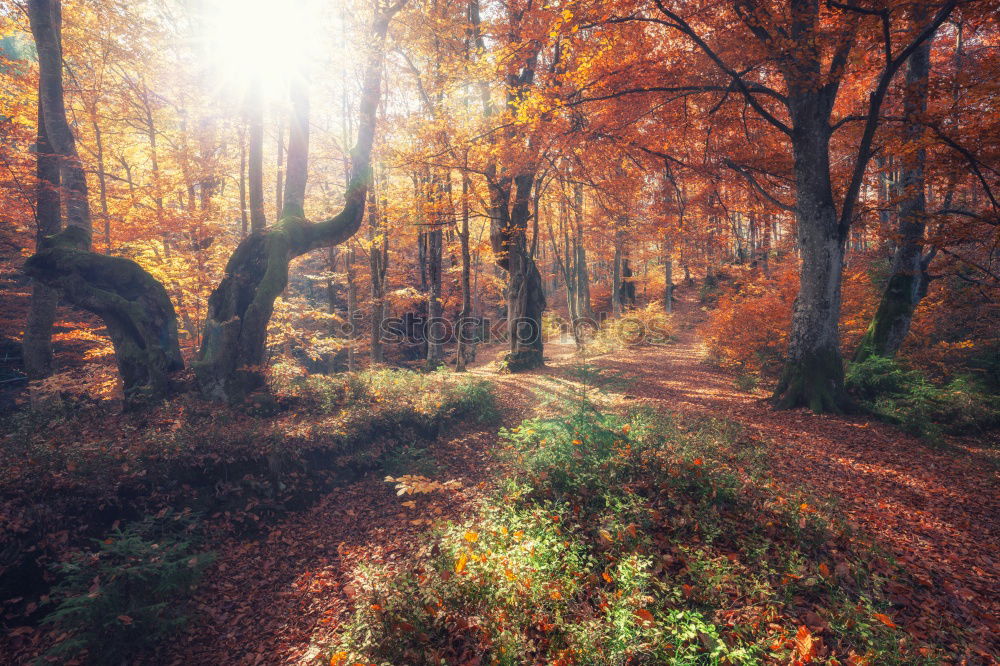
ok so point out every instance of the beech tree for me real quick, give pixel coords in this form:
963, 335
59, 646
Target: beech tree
810, 46
134, 306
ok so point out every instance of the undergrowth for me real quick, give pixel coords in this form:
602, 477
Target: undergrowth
638, 539
635, 328
69, 471
122, 599
910, 400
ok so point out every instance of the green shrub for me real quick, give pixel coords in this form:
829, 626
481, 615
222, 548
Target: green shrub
918, 406
623, 540
121, 600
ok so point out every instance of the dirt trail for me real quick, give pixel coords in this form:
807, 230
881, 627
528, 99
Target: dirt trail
937, 511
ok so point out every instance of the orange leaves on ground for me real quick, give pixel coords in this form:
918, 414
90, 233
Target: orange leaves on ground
644, 616
885, 619
471, 537
412, 484
805, 644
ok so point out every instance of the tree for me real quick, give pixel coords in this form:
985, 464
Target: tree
37, 344
135, 306
229, 364
813, 374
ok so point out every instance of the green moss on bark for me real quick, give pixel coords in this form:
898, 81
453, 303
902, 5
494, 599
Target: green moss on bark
133, 305
815, 381
891, 320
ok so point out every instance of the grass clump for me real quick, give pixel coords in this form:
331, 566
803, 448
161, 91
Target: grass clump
636, 539
637, 327
122, 599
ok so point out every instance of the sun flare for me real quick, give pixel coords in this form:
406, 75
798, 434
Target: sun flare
262, 41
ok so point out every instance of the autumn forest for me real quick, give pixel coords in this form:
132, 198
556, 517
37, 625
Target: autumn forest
500, 332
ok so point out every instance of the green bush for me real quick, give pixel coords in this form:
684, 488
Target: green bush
123, 599
623, 540
917, 405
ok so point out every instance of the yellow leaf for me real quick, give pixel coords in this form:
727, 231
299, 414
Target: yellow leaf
606, 535
472, 537
463, 559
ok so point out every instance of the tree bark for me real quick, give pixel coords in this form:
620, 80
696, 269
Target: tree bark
378, 263
37, 343
525, 297
813, 375
45, 17
466, 327
908, 280
296, 171
255, 173
584, 309
133, 305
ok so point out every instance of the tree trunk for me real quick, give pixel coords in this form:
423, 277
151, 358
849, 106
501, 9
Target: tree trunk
45, 17
465, 331
297, 167
583, 308
378, 262
255, 174
244, 220
37, 343
525, 298
434, 257
133, 305
616, 277
232, 355
279, 203
813, 375
907, 283
668, 277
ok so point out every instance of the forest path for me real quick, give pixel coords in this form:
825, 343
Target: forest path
937, 511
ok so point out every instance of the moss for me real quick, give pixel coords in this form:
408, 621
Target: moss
891, 320
815, 381
133, 305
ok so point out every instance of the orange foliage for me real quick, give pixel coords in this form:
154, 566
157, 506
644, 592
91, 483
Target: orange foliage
749, 328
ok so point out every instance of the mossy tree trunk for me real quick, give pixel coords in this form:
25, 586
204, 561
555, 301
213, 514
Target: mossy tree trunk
133, 305
813, 375
37, 343
230, 362
525, 296
908, 279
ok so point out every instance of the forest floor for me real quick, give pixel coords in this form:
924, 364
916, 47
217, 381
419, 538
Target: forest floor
936, 510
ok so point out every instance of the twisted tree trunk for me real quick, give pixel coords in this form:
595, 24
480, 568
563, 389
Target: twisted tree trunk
133, 305
230, 362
